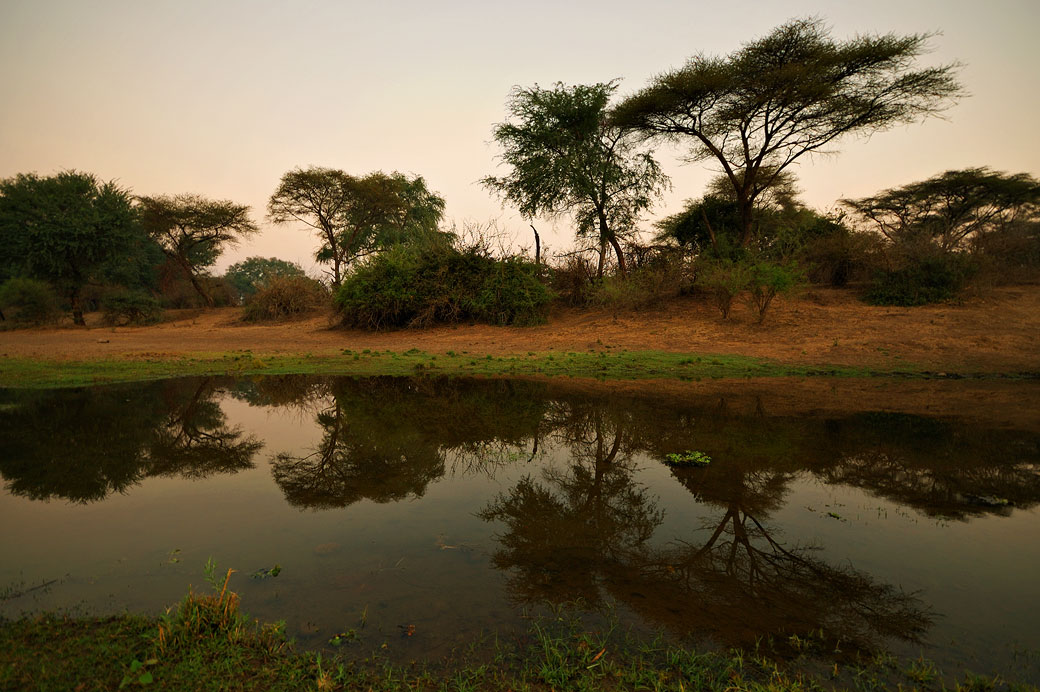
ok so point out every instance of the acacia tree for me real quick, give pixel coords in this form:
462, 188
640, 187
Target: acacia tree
952, 210
794, 92
356, 216
566, 158
193, 230
68, 229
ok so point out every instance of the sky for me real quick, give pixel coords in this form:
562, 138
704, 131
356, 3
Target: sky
221, 98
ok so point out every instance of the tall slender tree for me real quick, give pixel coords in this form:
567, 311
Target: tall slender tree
566, 158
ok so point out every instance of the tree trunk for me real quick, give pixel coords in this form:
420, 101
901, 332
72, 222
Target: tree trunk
746, 221
77, 309
195, 281
537, 246
606, 235
620, 257
602, 252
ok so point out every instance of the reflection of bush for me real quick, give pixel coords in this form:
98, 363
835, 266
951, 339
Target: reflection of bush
386, 439
82, 445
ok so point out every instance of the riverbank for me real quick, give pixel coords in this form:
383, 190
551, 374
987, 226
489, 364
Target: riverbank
825, 331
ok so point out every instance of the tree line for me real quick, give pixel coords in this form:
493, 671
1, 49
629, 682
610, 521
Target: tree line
572, 151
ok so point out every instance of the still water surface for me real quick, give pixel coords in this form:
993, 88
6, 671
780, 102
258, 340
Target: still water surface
457, 506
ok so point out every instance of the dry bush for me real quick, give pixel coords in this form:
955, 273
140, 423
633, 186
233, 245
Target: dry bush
286, 297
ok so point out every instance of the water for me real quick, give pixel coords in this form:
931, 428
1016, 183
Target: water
450, 508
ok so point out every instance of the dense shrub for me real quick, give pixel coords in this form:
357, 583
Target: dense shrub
29, 301
767, 279
723, 280
922, 280
285, 297
126, 306
842, 257
572, 279
416, 287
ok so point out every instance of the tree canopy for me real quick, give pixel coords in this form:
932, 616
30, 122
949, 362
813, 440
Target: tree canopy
566, 158
193, 230
68, 229
951, 210
356, 216
250, 274
794, 92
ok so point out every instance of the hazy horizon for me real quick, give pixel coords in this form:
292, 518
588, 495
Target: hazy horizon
223, 99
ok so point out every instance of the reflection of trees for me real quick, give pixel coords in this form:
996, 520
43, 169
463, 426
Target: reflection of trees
742, 582
386, 439
82, 445
939, 468
579, 524
585, 530
193, 439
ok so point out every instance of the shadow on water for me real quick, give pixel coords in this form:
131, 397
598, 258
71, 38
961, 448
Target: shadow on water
576, 495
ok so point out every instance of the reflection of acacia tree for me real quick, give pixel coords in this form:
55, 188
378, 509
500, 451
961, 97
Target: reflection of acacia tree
584, 531
194, 441
353, 462
953, 471
584, 523
386, 439
743, 583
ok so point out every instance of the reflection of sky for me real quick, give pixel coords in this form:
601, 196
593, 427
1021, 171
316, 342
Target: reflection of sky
222, 99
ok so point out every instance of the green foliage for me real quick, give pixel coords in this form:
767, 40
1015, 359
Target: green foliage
193, 231
68, 229
951, 211
687, 458
246, 277
565, 158
791, 93
285, 297
769, 279
358, 216
724, 280
414, 287
932, 279
127, 306
28, 301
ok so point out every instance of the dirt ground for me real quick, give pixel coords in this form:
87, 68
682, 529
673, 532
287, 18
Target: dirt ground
996, 332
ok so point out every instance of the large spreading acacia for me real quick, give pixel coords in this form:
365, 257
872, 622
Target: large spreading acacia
357, 216
68, 229
193, 230
951, 211
791, 93
566, 158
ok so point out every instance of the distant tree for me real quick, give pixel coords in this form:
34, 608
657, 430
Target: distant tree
68, 229
792, 93
952, 210
250, 274
193, 230
354, 216
566, 158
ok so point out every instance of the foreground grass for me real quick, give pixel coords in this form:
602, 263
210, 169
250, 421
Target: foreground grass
129, 652
206, 643
602, 364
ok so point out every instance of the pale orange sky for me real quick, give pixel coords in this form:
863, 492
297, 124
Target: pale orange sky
222, 98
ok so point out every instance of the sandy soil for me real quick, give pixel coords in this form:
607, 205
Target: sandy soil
996, 332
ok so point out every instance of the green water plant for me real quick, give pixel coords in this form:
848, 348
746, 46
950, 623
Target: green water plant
687, 458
